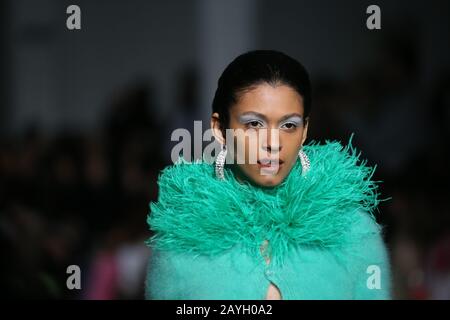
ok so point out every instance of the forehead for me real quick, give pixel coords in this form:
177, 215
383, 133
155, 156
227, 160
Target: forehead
273, 102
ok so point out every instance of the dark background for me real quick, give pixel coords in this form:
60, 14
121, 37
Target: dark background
86, 118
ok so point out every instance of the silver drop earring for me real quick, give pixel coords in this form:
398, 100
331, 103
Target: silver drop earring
220, 163
304, 160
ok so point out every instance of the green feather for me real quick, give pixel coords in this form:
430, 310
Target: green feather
198, 213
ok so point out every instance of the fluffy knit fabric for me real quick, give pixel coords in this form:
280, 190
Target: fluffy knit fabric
198, 213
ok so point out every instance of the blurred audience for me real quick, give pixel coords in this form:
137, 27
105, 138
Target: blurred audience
80, 199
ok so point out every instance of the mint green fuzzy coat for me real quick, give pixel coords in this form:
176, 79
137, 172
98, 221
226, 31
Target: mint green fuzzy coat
324, 242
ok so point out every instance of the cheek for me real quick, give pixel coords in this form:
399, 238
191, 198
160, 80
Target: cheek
291, 145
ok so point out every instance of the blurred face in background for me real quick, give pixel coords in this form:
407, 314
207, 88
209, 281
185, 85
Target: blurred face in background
272, 120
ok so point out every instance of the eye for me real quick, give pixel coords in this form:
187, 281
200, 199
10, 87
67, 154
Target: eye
254, 124
289, 125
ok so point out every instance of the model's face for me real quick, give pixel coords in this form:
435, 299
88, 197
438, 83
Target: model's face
274, 128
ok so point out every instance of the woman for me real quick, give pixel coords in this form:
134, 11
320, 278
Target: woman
295, 223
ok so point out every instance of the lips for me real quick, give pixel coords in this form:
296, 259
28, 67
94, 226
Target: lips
267, 162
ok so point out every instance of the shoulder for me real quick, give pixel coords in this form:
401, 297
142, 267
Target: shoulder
366, 223
368, 246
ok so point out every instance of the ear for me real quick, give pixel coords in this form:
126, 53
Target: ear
215, 126
305, 130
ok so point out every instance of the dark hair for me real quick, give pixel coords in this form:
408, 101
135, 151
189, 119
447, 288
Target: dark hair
256, 67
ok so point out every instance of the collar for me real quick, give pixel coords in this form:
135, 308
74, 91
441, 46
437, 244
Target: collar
197, 213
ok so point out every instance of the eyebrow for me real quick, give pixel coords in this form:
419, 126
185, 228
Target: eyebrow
260, 115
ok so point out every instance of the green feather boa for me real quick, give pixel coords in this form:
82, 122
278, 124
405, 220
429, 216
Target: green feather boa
198, 213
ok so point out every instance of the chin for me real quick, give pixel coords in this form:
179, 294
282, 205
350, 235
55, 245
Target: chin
269, 181
254, 176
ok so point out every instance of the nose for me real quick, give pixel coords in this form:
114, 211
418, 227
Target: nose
272, 142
